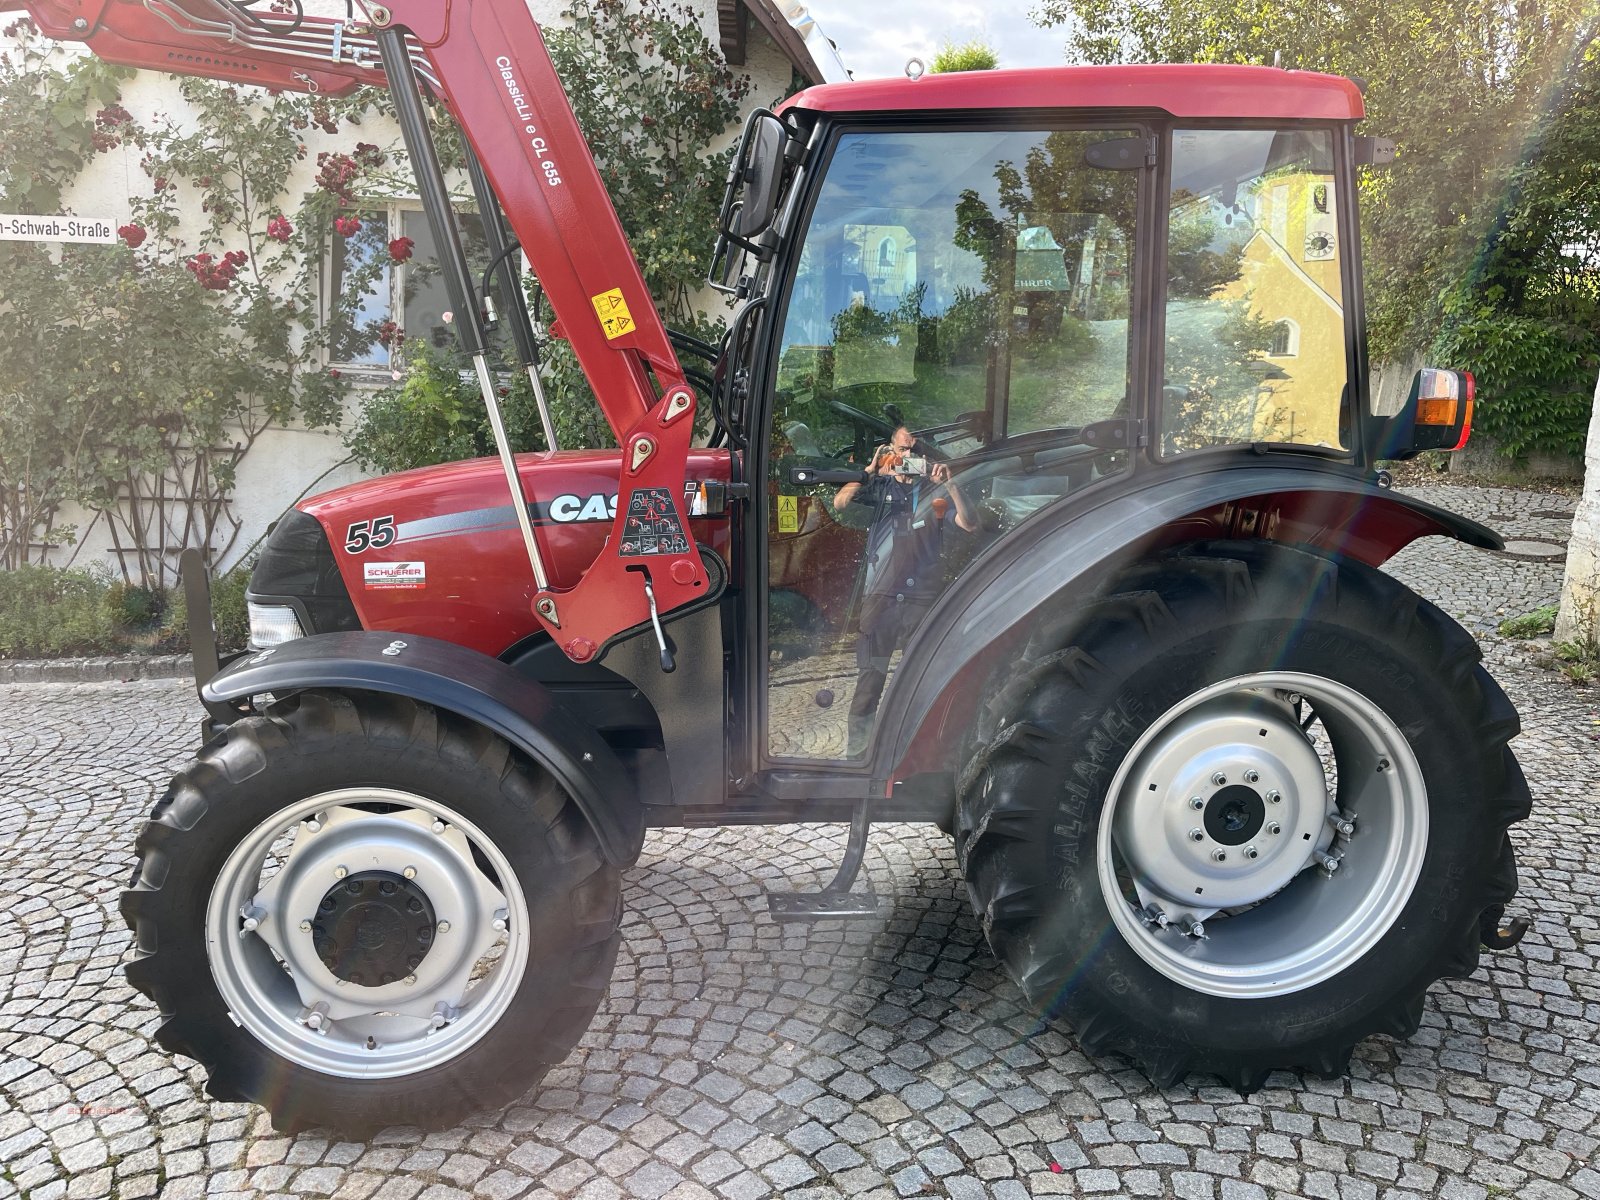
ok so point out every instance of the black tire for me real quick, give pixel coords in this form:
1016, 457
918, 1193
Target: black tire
314, 743
1031, 800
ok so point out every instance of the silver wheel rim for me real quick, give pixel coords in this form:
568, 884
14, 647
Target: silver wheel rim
1253, 898
263, 957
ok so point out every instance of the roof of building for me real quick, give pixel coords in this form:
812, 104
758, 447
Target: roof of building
1198, 91
795, 32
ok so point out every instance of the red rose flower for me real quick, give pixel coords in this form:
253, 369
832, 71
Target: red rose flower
279, 229
400, 249
347, 226
134, 235
215, 275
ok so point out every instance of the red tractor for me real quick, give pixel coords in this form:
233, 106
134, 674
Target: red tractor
1040, 501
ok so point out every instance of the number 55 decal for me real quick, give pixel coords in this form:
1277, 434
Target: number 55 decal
369, 535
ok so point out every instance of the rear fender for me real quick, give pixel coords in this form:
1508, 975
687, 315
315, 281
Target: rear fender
469, 684
1074, 546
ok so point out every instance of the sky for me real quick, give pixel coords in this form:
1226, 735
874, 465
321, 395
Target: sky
876, 37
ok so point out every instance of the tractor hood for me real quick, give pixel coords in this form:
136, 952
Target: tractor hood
438, 552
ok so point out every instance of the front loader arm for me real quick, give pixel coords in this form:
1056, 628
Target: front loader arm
487, 62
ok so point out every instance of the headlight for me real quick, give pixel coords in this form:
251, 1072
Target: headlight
272, 625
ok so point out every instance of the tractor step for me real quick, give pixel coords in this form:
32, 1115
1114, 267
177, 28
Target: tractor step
836, 901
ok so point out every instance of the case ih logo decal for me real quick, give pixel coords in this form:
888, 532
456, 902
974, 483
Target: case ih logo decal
569, 508
598, 507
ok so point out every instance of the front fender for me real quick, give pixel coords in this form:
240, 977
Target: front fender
1069, 545
469, 684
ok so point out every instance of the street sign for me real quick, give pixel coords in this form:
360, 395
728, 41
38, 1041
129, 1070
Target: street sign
63, 228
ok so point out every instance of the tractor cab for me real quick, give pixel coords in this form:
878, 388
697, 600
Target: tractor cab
1128, 277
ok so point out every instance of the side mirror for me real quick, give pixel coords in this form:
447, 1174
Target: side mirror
1437, 415
1374, 151
760, 170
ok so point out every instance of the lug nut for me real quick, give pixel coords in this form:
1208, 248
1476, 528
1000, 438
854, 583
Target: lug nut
314, 825
1252, 776
1383, 764
340, 872
1195, 802
305, 926
1274, 829
444, 926
499, 924
1219, 856
1197, 835
438, 826
409, 872
1252, 853
1274, 797
411, 980
1219, 779
1328, 862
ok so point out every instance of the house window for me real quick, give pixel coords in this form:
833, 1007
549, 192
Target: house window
1285, 340
412, 294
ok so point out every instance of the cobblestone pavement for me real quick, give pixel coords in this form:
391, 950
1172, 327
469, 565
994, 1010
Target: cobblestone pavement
736, 1058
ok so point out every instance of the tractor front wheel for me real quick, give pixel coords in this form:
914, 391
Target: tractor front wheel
359, 911
1241, 812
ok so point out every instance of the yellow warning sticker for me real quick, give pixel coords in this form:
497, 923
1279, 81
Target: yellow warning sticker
613, 312
788, 514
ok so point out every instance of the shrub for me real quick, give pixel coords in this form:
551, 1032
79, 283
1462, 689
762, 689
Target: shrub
48, 611
968, 56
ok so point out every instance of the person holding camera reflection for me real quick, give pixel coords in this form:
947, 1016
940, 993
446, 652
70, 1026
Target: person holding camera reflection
910, 499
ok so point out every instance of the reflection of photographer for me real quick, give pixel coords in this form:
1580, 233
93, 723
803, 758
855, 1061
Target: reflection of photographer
910, 498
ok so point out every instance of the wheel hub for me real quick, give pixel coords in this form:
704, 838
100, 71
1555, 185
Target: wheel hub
373, 928
1227, 804
1235, 815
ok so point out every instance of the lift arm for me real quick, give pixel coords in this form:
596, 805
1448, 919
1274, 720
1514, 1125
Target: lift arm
487, 61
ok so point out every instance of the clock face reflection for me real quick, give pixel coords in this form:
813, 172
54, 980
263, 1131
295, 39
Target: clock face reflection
1319, 245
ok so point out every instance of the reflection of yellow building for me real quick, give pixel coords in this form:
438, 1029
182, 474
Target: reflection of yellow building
1290, 276
886, 258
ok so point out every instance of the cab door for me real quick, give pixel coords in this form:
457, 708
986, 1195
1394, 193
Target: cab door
963, 295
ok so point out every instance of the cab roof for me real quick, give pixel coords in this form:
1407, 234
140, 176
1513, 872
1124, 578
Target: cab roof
1198, 91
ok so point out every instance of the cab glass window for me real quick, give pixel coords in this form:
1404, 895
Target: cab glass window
1255, 325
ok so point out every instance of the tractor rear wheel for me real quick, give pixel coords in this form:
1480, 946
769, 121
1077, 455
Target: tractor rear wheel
1241, 811
359, 911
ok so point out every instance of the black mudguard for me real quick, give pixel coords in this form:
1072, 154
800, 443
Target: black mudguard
469, 684
1069, 545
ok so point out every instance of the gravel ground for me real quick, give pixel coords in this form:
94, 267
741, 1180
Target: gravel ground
736, 1058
